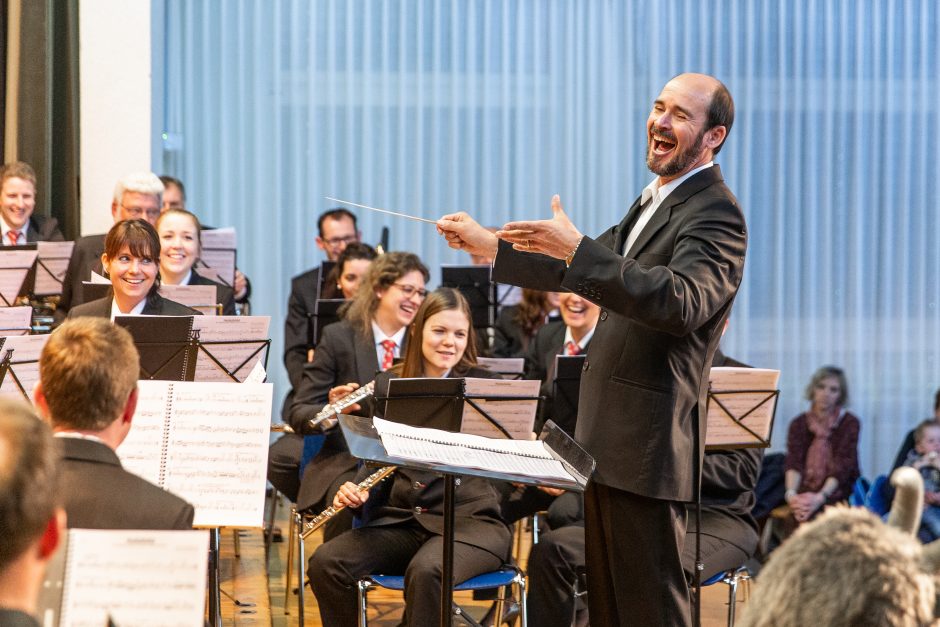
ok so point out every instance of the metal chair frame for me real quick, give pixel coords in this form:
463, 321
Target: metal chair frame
733, 578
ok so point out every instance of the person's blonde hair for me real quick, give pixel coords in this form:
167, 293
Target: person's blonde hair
382, 273
17, 169
87, 370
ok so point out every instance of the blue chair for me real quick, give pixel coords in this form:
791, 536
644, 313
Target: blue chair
876, 500
859, 492
731, 577
501, 579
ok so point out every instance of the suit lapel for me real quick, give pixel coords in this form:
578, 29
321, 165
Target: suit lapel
623, 229
367, 362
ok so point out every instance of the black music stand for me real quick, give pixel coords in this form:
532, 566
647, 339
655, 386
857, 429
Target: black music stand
165, 344
566, 386
476, 284
6, 369
325, 311
28, 276
94, 291
364, 442
326, 269
42, 268
203, 347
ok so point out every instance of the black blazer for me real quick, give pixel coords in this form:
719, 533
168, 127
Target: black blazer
343, 356
43, 229
223, 293
412, 494
548, 342
100, 494
156, 306
86, 257
662, 310
302, 301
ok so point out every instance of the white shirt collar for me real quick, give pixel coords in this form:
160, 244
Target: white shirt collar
584, 340
6, 228
662, 192
136, 311
79, 436
379, 336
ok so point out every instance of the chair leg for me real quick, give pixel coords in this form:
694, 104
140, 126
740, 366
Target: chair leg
290, 559
272, 515
523, 611
238, 543
363, 609
301, 555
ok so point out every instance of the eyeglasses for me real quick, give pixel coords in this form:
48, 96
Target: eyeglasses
137, 212
411, 290
336, 241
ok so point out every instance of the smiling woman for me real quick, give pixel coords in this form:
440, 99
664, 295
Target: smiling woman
131, 256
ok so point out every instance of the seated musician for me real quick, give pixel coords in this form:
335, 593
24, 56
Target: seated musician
351, 266
131, 259
349, 354
404, 533
180, 246
18, 225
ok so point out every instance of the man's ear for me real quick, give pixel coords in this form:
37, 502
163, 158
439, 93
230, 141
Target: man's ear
130, 406
114, 210
320, 243
39, 400
715, 135
53, 534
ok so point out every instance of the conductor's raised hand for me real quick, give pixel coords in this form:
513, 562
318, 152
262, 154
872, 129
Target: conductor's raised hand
556, 237
349, 495
464, 233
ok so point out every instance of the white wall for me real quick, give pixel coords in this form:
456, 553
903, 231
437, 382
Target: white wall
115, 96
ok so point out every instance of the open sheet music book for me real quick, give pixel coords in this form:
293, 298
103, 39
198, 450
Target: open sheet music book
508, 367
207, 443
530, 458
21, 373
217, 256
230, 346
52, 262
203, 298
15, 320
515, 415
741, 406
132, 578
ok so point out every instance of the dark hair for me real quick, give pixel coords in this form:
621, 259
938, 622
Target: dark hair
337, 213
441, 299
140, 238
936, 401
824, 373
721, 112
530, 313
353, 250
385, 270
168, 180
28, 479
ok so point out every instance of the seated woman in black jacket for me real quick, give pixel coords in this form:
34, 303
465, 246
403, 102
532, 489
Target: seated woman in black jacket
404, 534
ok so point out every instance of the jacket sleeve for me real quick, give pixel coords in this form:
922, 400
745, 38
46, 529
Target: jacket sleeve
295, 337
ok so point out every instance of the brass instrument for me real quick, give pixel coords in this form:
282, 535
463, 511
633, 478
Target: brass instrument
367, 484
329, 415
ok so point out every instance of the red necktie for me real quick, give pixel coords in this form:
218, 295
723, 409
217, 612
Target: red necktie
13, 236
572, 349
389, 357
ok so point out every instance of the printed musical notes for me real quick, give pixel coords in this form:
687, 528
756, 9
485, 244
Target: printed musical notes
22, 373
230, 346
14, 265
199, 297
217, 259
51, 265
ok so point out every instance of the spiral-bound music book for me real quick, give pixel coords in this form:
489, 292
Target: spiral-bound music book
142, 578
207, 443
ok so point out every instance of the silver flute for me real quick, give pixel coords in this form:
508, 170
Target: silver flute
367, 484
329, 415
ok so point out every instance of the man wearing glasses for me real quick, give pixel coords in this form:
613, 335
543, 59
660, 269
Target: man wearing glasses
137, 195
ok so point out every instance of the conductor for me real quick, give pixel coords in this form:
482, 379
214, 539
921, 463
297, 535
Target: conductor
665, 278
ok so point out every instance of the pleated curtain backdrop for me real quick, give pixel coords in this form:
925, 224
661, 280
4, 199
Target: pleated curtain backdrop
429, 107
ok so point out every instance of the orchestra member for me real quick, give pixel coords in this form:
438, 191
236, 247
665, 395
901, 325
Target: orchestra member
180, 247
351, 266
404, 533
131, 258
517, 324
18, 225
350, 353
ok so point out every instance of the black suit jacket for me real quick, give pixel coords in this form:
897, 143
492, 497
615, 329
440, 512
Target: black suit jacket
540, 364
86, 257
223, 293
302, 301
413, 494
43, 229
343, 356
156, 306
662, 310
100, 494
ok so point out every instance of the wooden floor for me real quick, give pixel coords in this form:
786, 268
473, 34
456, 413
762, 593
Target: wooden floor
259, 591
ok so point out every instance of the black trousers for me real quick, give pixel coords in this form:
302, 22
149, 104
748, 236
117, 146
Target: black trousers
284, 464
633, 550
406, 548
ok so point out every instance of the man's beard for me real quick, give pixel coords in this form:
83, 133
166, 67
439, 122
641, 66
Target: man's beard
678, 162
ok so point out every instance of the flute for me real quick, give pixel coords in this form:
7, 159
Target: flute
329, 415
367, 484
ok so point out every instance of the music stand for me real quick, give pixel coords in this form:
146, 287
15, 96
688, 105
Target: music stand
566, 386
167, 350
365, 443
19, 263
325, 311
51, 264
326, 268
507, 367
203, 347
476, 284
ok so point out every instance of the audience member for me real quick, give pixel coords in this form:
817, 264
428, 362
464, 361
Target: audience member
925, 458
17, 202
31, 521
908, 445
180, 246
88, 392
131, 257
822, 447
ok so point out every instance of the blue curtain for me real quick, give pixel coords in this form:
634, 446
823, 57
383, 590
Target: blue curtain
492, 106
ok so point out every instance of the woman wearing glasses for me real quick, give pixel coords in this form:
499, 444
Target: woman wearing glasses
350, 353
132, 260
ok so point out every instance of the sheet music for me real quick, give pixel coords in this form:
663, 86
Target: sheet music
525, 458
509, 367
50, 270
738, 390
257, 374
98, 279
25, 364
14, 265
15, 320
139, 578
250, 331
516, 416
216, 446
218, 253
201, 297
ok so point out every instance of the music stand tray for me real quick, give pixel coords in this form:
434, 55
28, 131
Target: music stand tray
476, 284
